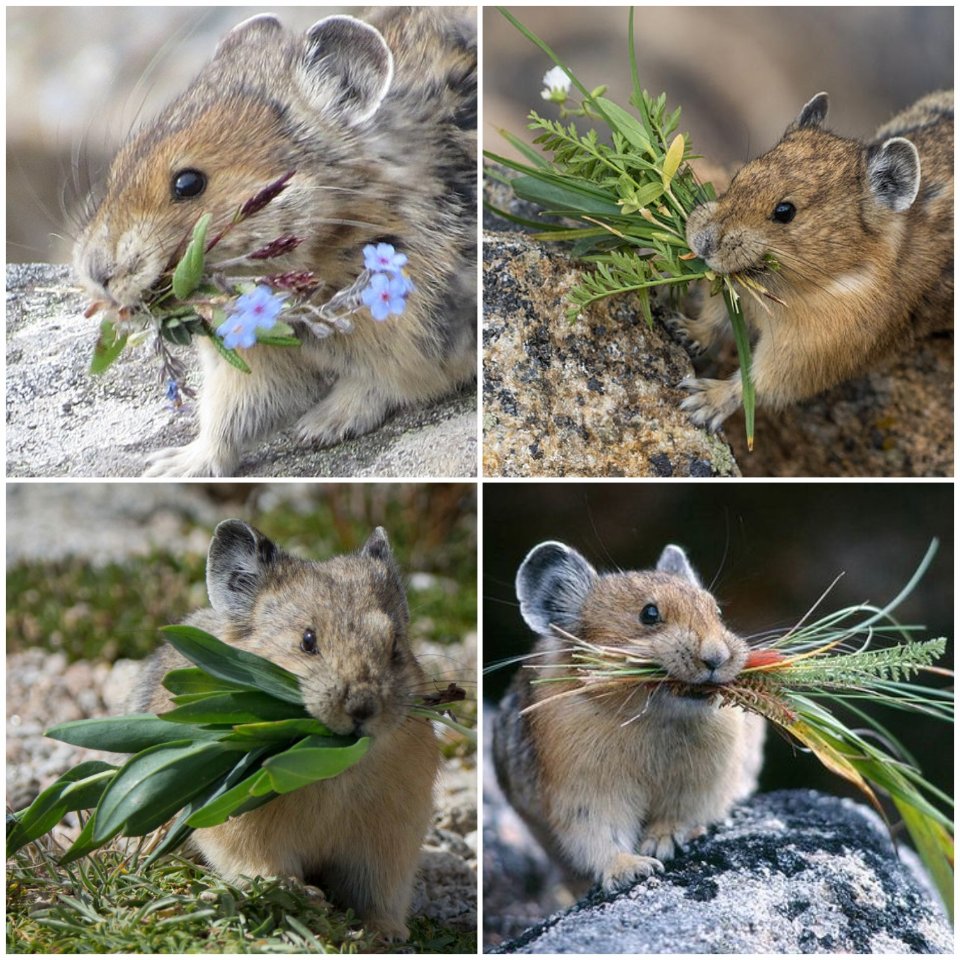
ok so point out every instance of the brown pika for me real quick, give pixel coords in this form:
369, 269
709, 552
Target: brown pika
341, 627
377, 121
614, 784
855, 240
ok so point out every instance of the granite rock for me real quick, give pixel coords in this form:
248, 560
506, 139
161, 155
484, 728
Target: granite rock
792, 871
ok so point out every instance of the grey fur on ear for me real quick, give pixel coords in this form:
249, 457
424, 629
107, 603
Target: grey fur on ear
347, 68
552, 583
253, 29
377, 546
813, 114
674, 560
893, 170
236, 561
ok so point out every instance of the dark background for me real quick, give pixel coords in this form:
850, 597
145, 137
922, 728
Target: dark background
769, 551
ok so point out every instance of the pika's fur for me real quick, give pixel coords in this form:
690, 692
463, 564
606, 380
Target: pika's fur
863, 235
358, 835
612, 786
378, 121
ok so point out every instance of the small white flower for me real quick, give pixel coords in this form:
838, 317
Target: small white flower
557, 85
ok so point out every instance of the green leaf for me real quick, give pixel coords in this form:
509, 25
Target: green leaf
129, 734
78, 789
189, 271
282, 730
233, 799
629, 127
109, 346
228, 353
306, 763
269, 339
156, 783
240, 667
672, 161
247, 707
742, 338
190, 681
85, 842
567, 197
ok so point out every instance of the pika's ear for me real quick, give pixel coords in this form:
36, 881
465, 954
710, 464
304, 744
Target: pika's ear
237, 559
893, 172
378, 546
674, 560
264, 27
552, 583
346, 68
813, 114
389, 584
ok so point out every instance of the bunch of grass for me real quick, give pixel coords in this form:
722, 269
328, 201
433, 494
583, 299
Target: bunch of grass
628, 193
796, 680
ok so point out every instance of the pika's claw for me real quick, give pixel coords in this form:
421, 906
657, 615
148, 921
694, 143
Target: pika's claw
710, 401
192, 460
679, 330
665, 841
625, 868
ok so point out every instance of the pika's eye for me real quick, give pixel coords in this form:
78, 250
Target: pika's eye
649, 615
784, 212
188, 184
309, 642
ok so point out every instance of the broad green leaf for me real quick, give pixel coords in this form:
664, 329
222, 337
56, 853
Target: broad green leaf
283, 730
109, 346
190, 681
935, 846
189, 271
269, 339
249, 706
230, 802
306, 763
129, 734
86, 842
78, 789
630, 128
236, 666
156, 783
672, 160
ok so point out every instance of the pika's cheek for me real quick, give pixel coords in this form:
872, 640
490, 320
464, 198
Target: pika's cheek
123, 271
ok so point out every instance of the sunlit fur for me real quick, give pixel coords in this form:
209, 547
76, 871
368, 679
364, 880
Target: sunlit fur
358, 835
612, 784
858, 280
405, 172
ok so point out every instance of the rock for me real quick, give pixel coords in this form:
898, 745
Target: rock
61, 421
596, 398
788, 872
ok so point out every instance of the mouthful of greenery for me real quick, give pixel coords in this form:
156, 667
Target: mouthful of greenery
795, 679
238, 736
621, 198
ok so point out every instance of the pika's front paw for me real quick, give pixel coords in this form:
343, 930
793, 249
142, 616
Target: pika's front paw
193, 460
681, 330
348, 411
665, 840
710, 401
625, 868
391, 930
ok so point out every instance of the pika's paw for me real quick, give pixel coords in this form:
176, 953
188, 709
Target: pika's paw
710, 401
665, 840
347, 411
625, 868
193, 460
390, 929
680, 329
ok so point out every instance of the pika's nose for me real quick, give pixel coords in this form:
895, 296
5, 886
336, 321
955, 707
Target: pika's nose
715, 658
703, 236
360, 705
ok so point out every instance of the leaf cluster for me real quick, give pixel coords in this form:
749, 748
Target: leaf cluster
238, 736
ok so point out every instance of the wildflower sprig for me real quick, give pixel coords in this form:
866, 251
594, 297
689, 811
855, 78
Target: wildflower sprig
795, 680
237, 736
195, 297
621, 197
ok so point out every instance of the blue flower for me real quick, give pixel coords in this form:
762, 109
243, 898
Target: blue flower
385, 295
382, 258
257, 310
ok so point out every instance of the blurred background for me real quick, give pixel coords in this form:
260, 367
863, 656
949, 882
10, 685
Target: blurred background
741, 74
767, 551
78, 80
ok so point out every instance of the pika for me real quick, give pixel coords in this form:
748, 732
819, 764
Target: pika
612, 785
341, 627
862, 239
377, 121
